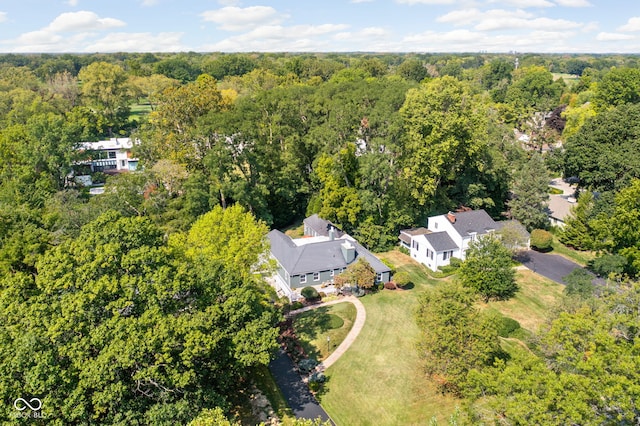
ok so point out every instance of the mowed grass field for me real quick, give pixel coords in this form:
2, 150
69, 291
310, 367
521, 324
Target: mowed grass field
379, 380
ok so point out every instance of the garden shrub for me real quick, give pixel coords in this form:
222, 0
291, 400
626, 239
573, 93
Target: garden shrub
307, 365
296, 305
541, 240
390, 285
404, 250
401, 279
317, 377
309, 293
322, 294
507, 326
454, 262
380, 286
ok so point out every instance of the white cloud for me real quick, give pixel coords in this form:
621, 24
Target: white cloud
500, 19
3, 16
613, 37
73, 2
366, 35
277, 38
81, 21
524, 4
590, 27
233, 18
573, 3
633, 24
412, 2
138, 42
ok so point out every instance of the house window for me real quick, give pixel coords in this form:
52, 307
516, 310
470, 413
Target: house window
332, 272
378, 277
316, 276
303, 279
435, 225
445, 255
112, 154
123, 163
415, 245
431, 255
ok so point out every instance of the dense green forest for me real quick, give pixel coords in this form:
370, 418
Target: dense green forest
142, 305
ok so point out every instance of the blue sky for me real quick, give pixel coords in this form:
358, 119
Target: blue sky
589, 26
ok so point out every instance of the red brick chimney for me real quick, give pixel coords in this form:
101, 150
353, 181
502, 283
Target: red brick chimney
451, 217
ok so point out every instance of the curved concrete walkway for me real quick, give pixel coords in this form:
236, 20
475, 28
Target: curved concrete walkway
361, 317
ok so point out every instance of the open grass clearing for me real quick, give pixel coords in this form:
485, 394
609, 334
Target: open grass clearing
379, 380
532, 303
315, 326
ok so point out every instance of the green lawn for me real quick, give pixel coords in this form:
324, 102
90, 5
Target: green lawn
139, 110
378, 381
532, 303
313, 327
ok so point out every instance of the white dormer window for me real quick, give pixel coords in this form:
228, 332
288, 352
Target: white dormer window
316, 276
303, 279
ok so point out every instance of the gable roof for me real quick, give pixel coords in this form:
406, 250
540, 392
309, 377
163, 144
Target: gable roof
317, 256
560, 206
322, 226
441, 241
473, 221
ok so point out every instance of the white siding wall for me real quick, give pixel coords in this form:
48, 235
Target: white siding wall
421, 253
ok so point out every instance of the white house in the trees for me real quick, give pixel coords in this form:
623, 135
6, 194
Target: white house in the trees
446, 236
113, 155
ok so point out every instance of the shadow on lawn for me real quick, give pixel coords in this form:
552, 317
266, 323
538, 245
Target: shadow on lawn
312, 325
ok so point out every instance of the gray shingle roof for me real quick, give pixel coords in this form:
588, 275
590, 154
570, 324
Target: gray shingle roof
321, 226
477, 221
317, 256
441, 241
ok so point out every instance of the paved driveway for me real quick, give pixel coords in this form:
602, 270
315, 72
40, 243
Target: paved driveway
552, 266
295, 391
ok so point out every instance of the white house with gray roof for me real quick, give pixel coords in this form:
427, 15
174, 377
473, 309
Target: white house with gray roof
447, 236
324, 252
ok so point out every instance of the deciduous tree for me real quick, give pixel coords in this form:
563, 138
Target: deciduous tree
488, 270
455, 338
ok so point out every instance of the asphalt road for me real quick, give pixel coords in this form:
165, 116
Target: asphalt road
302, 402
551, 266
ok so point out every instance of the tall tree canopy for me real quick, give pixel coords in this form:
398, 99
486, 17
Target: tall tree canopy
445, 130
118, 327
605, 152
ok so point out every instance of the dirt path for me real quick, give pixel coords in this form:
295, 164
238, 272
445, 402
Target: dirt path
361, 317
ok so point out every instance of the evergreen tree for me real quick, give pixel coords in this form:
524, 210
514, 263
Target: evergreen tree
531, 194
